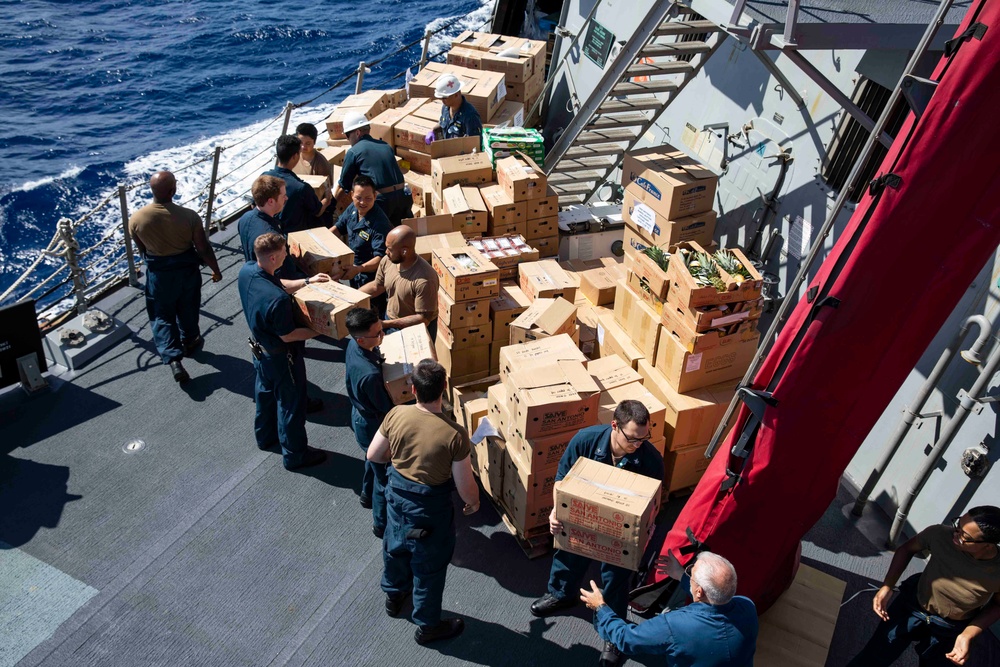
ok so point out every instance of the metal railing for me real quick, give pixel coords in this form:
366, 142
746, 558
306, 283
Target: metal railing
111, 261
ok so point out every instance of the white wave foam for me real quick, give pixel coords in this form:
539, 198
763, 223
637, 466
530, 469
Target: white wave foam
70, 172
473, 21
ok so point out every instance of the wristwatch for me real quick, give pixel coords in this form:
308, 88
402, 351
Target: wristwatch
308, 279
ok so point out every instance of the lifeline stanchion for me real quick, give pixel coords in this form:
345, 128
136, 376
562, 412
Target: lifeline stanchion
361, 77
133, 276
211, 192
427, 45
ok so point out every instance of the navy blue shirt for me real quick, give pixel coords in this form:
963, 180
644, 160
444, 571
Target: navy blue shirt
365, 236
302, 207
255, 223
370, 402
698, 635
267, 307
594, 442
373, 158
465, 122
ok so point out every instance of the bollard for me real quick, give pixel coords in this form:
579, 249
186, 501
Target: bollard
133, 275
211, 192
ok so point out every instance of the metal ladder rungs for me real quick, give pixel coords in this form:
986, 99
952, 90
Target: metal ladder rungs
685, 28
611, 136
589, 151
566, 200
629, 88
674, 49
573, 188
657, 69
563, 176
583, 164
604, 121
638, 103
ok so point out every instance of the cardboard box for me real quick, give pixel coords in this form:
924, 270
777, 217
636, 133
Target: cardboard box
473, 412
527, 495
668, 181
319, 184
548, 246
539, 454
465, 274
640, 322
421, 188
688, 371
596, 546
538, 353
658, 230
544, 207
488, 460
521, 178
687, 293
696, 341
430, 224
495, 348
542, 227
430, 110
703, 318
317, 250
460, 170
417, 161
612, 371
463, 314
612, 339
598, 286
546, 279
426, 245
462, 362
462, 395
551, 398
409, 132
323, 307
611, 502
335, 121
499, 412
402, 351
334, 152
484, 90
504, 142
510, 114
544, 318
691, 418
465, 337
502, 209
467, 218
633, 244
505, 308
653, 279
506, 252
533, 49
610, 399
527, 91
683, 468
640, 290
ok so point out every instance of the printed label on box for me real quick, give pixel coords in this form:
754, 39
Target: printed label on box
600, 334
729, 319
501, 90
644, 217
490, 282
693, 363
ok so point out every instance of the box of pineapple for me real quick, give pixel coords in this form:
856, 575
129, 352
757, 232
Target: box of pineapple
700, 278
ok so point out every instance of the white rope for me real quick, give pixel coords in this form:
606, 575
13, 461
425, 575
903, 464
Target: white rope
34, 265
42, 284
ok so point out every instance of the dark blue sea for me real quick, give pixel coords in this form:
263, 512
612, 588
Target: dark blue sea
96, 94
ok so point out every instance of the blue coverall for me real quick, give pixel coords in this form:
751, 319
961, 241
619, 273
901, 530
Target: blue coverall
173, 301
465, 122
375, 159
303, 206
594, 442
280, 390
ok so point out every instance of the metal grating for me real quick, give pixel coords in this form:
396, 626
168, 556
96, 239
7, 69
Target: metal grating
849, 139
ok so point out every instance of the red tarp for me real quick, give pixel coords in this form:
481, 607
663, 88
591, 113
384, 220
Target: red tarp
903, 273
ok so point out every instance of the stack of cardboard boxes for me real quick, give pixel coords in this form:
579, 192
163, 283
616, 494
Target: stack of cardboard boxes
526, 189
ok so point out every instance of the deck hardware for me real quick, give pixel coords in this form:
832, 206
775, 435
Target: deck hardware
30, 374
97, 321
918, 92
133, 446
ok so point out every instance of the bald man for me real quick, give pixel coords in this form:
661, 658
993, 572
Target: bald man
409, 281
718, 628
173, 242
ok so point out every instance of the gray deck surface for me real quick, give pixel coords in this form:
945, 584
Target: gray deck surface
201, 550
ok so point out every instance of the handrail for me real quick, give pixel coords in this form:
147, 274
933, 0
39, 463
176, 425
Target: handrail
57, 246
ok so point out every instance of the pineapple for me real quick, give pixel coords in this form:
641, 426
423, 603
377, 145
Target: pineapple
731, 265
662, 259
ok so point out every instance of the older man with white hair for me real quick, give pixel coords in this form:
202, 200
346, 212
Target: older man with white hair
718, 629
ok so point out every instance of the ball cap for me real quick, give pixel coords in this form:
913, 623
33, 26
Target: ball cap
354, 120
446, 86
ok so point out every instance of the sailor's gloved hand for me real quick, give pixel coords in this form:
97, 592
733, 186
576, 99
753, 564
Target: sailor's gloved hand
429, 138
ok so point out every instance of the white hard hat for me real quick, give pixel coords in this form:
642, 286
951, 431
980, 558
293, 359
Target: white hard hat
446, 86
353, 120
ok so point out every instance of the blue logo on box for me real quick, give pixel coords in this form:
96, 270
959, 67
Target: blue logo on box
648, 187
691, 191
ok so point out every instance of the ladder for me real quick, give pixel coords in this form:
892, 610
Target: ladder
667, 53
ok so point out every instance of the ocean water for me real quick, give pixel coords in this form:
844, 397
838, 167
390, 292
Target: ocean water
99, 94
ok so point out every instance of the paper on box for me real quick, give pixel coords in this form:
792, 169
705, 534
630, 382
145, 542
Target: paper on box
655, 229
402, 351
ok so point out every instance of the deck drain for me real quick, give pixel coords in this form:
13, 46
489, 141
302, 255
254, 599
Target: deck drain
133, 446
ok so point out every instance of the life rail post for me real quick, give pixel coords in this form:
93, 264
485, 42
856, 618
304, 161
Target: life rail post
79, 277
133, 275
361, 77
426, 48
211, 194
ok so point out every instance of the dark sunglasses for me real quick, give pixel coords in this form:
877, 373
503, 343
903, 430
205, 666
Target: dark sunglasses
963, 536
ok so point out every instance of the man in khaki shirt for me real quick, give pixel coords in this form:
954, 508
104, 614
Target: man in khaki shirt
410, 282
948, 605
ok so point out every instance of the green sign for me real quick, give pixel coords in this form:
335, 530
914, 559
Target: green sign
597, 43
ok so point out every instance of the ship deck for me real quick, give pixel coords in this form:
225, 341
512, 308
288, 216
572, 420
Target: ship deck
198, 549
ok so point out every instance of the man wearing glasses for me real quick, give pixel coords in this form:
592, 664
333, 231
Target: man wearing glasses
624, 445
375, 159
950, 603
363, 227
370, 402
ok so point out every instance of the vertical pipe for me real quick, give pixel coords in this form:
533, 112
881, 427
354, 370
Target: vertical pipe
133, 276
361, 78
75, 272
426, 48
211, 192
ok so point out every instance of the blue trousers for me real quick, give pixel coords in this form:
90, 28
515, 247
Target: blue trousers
908, 623
566, 576
418, 544
173, 302
280, 394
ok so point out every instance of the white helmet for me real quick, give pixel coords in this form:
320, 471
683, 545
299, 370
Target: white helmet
447, 85
353, 120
